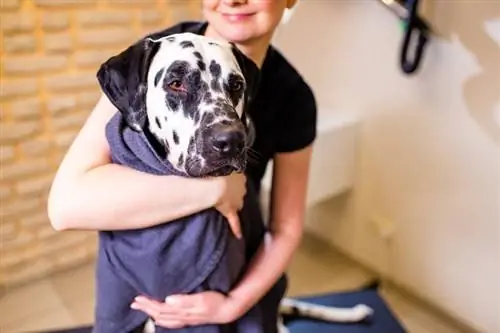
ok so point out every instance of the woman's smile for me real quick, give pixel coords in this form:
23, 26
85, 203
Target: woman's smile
237, 17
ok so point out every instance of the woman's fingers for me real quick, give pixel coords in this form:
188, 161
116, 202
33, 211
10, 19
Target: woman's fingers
153, 308
179, 320
184, 311
171, 324
234, 223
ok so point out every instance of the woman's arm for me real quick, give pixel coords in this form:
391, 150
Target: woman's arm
290, 179
88, 192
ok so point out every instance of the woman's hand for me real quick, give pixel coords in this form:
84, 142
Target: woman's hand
179, 311
230, 195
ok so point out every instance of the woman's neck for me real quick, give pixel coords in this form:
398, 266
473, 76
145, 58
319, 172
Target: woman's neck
255, 50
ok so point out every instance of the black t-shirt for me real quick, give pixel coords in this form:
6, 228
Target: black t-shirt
283, 108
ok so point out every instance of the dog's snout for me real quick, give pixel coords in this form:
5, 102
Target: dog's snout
228, 141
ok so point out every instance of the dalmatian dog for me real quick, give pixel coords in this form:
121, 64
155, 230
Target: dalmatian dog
204, 132
193, 104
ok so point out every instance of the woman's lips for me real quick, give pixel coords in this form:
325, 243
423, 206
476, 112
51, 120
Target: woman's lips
237, 17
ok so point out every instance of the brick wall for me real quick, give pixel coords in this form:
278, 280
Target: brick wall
50, 50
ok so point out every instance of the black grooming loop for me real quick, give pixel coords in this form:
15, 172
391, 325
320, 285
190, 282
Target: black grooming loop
414, 27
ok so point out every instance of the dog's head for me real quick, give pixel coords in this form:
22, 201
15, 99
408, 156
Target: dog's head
190, 92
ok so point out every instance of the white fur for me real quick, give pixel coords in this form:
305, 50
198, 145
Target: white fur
155, 98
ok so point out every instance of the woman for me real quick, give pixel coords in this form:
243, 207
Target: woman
89, 192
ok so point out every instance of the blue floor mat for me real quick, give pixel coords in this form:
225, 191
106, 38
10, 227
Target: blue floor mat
382, 321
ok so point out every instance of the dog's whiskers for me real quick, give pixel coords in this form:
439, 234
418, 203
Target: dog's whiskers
251, 150
252, 159
252, 155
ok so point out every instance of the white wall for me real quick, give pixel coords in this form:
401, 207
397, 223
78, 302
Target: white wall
429, 157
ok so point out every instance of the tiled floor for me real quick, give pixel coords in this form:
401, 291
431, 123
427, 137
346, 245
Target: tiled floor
67, 299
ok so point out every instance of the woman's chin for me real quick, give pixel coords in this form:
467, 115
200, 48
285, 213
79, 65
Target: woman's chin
236, 32
238, 35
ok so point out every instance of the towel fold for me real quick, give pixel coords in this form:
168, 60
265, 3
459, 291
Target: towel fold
191, 254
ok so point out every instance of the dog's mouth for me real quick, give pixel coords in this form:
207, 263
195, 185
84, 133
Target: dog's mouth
222, 171
199, 168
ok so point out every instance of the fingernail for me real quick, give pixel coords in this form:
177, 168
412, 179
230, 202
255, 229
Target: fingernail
134, 306
170, 300
139, 299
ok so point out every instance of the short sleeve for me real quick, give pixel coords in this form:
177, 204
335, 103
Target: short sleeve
297, 120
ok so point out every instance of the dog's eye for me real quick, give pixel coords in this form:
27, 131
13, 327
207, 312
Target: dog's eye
236, 86
176, 85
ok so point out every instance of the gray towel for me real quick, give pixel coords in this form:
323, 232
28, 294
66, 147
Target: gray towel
195, 253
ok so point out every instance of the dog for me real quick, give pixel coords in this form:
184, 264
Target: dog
188, 99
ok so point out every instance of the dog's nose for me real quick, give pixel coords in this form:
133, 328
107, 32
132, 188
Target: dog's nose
228, 142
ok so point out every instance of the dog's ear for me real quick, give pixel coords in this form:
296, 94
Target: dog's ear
250, 128
251, 72
123, 78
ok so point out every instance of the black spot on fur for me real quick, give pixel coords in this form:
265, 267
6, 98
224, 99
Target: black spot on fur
181, 160
204, 88
216, 71
176, 137
223, 110
197, 89
208, 118
186, 44
213, 44
171, 39
158, 122
191, 147
208, 98
158, 76
165, 117
198, 55
178, 69
173, 102
218, 112
166, 148
215, 86
196, 136
196, 117
201, 65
